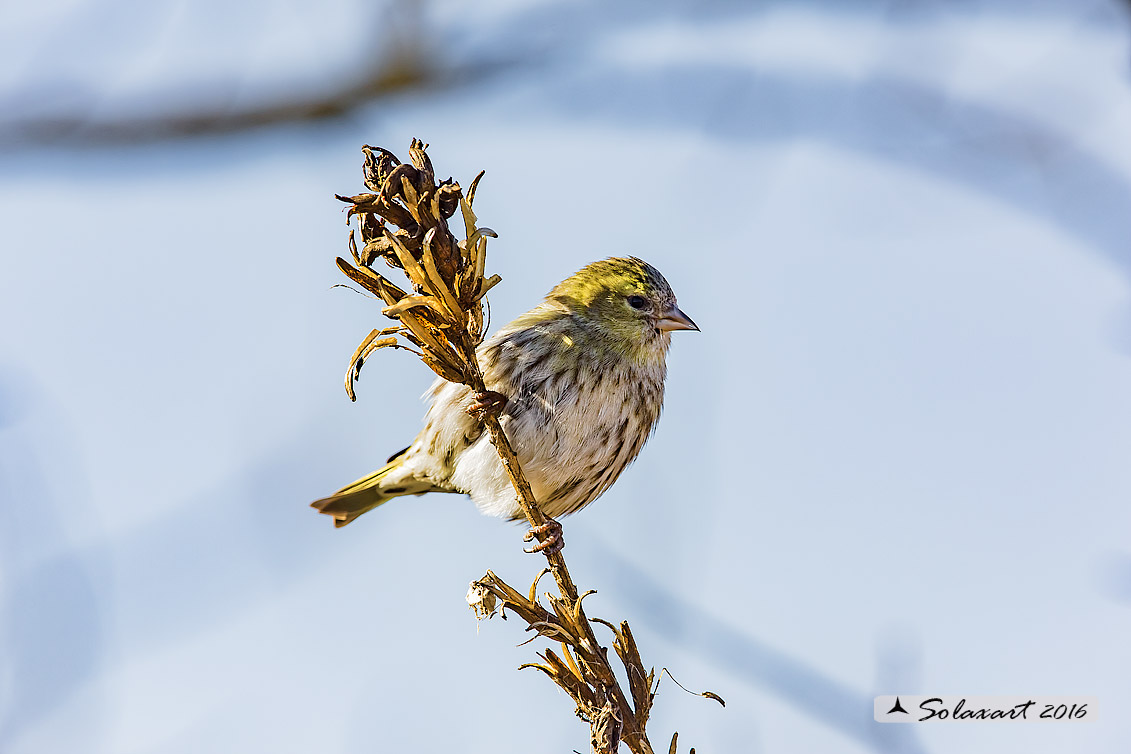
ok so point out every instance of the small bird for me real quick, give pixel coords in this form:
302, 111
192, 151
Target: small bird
577, 383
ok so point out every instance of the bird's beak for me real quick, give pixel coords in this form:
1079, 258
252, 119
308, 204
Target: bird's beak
674, 319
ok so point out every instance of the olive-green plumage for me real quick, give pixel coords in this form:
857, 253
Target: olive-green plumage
583, 373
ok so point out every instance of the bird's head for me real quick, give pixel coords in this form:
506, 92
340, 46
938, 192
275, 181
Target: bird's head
628, 301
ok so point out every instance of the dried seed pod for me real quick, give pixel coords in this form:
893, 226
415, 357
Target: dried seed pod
371, 226
448, 196
378, 164
438, 247
411, 198
397, 214
393, 187
425, 212
422, 162
373, 250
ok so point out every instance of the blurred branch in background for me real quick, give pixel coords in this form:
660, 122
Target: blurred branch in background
402, 55
889, 113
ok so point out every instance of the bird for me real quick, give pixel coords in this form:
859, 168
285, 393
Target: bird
577, 384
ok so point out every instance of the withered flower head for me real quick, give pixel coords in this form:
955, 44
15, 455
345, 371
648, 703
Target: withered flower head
405, 222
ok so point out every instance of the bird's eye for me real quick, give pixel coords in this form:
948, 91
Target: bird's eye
637, 302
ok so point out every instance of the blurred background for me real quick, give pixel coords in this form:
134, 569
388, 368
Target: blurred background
894, 461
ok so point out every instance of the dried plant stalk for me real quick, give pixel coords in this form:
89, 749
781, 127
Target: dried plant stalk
404, 221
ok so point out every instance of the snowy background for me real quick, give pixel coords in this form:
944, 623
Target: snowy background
896, 460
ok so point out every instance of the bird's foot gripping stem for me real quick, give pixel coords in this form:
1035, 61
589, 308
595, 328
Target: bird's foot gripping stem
487, 403
549, 537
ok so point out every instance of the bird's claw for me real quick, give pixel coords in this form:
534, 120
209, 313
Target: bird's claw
549, 537
487, 403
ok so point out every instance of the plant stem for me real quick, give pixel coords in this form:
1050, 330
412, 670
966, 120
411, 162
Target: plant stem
636, 740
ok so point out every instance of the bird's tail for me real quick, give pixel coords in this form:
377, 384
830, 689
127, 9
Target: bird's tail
389, 481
